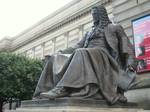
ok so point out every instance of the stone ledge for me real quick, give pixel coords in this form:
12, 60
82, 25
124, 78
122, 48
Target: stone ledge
74, 105
79, 109
74, 102
139, 96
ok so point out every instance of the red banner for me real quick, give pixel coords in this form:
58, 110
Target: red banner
141, 30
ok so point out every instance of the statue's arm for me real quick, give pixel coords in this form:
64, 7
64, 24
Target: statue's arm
80, 44
126, 47
124, 40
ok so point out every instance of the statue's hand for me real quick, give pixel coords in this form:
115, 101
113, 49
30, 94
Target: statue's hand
131, 68
131, 63
66, 51
60, 52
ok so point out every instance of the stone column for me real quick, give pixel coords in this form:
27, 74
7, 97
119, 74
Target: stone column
66, 35
33, 52
80, 32
42, 47
53, 44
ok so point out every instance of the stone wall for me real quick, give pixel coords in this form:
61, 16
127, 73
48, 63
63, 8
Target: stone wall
127, 10
67, 26
57, 32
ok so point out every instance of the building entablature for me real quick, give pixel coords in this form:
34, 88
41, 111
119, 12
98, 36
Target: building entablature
5, 44
65, 15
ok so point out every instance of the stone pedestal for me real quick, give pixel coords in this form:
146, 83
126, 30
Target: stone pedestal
75, 105
139, 96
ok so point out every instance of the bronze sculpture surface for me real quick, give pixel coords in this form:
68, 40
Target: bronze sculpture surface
96, 67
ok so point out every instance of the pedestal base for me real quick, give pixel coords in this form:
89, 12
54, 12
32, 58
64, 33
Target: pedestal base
79, 109
75, 105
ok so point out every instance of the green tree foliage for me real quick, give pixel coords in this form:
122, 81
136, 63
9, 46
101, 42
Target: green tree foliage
18, 76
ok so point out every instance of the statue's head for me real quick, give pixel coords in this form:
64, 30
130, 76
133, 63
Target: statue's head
100, 16
95, 15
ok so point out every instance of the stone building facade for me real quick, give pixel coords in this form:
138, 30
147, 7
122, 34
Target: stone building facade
66, 26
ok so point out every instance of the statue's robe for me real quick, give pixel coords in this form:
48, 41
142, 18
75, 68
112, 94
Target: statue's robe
92, 72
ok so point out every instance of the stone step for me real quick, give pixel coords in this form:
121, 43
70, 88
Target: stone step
78, 109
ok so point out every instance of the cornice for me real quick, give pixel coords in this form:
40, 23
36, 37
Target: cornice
5, 44
48, 17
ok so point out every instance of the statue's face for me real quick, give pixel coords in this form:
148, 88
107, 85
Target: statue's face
95, 16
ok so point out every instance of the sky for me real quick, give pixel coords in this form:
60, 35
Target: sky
18, 15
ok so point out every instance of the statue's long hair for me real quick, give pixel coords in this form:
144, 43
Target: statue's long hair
103, 16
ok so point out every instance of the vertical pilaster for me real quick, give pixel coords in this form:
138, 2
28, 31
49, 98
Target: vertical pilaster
80, 32
66, 35
42, 47
53, 45
33, 52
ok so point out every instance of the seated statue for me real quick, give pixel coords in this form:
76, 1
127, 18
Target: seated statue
100, 65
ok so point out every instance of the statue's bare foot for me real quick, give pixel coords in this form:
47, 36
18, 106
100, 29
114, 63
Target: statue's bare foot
57, 92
